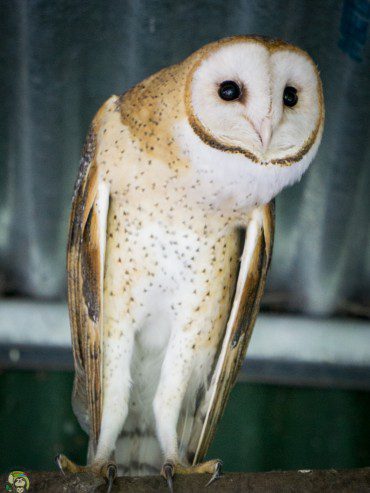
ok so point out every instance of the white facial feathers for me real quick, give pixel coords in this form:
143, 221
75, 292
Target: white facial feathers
228, 120
258, 121
253, 145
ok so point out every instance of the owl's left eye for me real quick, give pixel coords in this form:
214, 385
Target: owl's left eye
290, 96
229, 90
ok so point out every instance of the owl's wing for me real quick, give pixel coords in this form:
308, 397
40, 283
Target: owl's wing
254, 264
85, 266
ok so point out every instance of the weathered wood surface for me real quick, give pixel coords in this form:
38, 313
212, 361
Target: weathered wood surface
355, 480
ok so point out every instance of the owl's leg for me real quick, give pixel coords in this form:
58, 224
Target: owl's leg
118, 351
175, 375
173, 382
118, 348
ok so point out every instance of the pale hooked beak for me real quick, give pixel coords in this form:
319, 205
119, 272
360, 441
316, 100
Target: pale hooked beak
265, 132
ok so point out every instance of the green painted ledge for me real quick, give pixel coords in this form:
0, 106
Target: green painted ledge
264, 428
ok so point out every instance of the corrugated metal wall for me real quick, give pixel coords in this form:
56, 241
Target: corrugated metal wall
61, 60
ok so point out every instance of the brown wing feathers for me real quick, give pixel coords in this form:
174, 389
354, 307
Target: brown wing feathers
84, 293
242, 326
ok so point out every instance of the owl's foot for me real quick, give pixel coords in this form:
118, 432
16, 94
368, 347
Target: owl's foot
107, 470
169, 469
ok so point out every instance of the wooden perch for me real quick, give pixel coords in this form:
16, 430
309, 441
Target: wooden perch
355, 480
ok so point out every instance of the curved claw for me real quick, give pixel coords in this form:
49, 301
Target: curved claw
217, 473
111, 476
168, 473
58, 461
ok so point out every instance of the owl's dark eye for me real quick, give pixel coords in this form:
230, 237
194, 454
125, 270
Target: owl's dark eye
290, 96
229, 90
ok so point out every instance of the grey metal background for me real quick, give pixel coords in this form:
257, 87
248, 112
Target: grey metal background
59, 61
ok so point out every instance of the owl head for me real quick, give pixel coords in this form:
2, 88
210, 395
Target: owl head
259, 100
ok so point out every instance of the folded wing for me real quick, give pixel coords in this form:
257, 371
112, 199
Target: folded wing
85, 266
254, 264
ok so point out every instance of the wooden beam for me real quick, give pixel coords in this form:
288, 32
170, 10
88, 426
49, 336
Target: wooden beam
275, 482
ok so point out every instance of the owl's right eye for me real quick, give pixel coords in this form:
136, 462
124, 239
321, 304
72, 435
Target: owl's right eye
229, 90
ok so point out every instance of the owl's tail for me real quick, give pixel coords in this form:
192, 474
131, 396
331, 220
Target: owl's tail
138, 453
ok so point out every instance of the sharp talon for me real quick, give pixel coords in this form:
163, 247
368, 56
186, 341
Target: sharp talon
58, 463
167, 473
217, 473
111, 476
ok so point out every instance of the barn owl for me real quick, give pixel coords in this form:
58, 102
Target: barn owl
170, 240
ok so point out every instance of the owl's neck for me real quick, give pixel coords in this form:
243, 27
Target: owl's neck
228, 182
